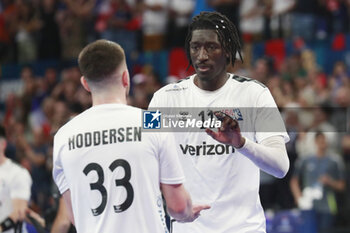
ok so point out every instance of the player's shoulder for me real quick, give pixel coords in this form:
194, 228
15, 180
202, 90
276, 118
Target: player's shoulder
176, 87
91, 113
16, 169
246, 82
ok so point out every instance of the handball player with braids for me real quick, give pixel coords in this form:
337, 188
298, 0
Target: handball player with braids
222, 165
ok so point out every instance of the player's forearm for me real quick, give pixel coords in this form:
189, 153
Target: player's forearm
182, 211
270, 156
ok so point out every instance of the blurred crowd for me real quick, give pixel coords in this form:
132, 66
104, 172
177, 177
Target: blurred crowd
311, 100
32, 30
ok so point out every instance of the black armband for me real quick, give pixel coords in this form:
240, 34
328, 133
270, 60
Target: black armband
7, 224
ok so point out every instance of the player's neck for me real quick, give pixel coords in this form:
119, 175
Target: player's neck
212, 84
108, 99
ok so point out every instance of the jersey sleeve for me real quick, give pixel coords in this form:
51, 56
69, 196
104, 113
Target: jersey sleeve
268, 120
159, 99
154, 101
170, 169
57, 171
21, 185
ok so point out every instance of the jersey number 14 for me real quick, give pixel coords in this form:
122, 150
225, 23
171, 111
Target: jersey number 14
98, 185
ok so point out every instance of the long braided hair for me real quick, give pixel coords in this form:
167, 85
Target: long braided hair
225, 29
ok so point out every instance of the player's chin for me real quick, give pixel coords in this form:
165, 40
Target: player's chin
204, 75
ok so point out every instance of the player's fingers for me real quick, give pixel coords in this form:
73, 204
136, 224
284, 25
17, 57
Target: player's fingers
233, 124
220, 115
226, 124
199, 208
226, 120
210, 133
205, 207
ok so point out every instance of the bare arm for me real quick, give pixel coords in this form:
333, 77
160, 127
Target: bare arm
62, 222
20, 208
179, 203
68, 202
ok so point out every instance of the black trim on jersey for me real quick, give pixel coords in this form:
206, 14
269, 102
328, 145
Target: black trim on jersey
171, 225
242, 79
7, 224
183, 79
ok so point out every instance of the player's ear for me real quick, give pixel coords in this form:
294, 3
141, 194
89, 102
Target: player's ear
84, 83
125, 78
228, 58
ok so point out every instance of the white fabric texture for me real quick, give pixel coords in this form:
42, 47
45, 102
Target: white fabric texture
15, 183
99, 159
217, 174
271, 155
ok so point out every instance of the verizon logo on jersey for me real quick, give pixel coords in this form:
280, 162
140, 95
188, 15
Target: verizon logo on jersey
207, 149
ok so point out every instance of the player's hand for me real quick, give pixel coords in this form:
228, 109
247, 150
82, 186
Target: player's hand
196, 210
32, 217
229, 133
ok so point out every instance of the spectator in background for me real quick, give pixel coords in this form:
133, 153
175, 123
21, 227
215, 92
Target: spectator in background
8, 14
27, 94
200, 6
339, 77
120, 21
154, 22
28, 24
250, 25
341, 107
344, 198
51, 79
251, 19
73, 17
144, 85
49, 41
304, 19
229, 8
333, 17
315, 181
262, 70
306, 145
180, 12
279, 21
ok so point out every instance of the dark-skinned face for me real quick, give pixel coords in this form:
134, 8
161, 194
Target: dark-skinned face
208, 57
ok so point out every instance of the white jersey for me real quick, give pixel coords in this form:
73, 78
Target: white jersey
114, 171
15, 183
216, 174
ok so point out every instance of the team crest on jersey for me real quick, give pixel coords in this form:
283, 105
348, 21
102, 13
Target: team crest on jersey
235, 113
176, 87
152, 119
